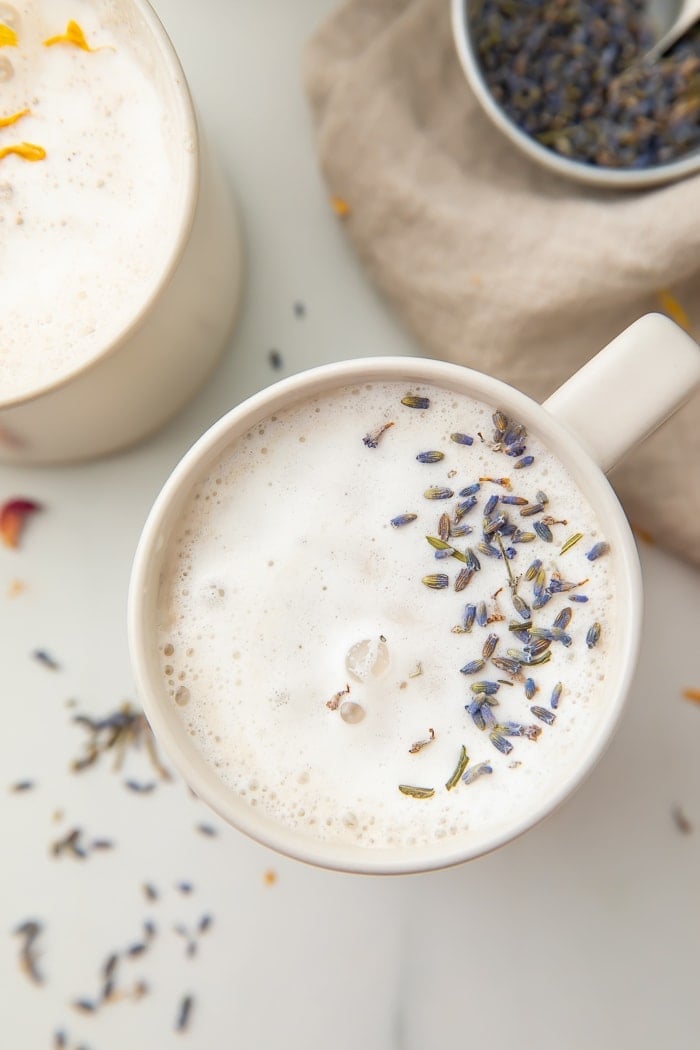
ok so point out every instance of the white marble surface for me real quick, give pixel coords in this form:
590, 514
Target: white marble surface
583, 934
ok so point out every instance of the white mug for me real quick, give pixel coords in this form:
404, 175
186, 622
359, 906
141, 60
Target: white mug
586, 424
136, 382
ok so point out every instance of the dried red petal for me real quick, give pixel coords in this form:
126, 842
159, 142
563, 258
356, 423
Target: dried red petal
13, 515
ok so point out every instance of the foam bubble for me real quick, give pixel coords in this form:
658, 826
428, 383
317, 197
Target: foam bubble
368, 657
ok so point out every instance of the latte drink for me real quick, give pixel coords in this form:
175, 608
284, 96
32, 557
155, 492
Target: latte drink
91, 176
385, 617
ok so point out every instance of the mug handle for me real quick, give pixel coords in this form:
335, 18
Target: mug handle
629, 388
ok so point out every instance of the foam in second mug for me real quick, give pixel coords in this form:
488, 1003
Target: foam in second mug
90, 184
373, 585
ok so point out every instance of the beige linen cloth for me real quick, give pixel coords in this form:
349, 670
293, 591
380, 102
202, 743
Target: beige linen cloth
489, 260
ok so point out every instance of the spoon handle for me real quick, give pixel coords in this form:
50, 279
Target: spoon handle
688, 15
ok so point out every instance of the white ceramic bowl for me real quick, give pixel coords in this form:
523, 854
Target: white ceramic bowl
592, 175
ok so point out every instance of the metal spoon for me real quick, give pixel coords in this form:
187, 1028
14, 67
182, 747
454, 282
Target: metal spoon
688, 14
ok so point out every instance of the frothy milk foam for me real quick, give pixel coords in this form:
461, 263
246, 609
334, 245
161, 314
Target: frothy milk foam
87, 231
287, 595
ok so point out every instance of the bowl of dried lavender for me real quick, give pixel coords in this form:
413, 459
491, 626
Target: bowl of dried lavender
568, 82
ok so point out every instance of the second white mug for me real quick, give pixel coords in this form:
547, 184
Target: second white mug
121, 238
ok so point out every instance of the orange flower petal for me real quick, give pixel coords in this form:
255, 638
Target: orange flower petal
673, 309
8, 37
25, 150
74, 36
692, 694
13, 118
13, 516
642, 534
340, 207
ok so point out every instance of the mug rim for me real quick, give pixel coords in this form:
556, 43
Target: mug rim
191, 172
152, 546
